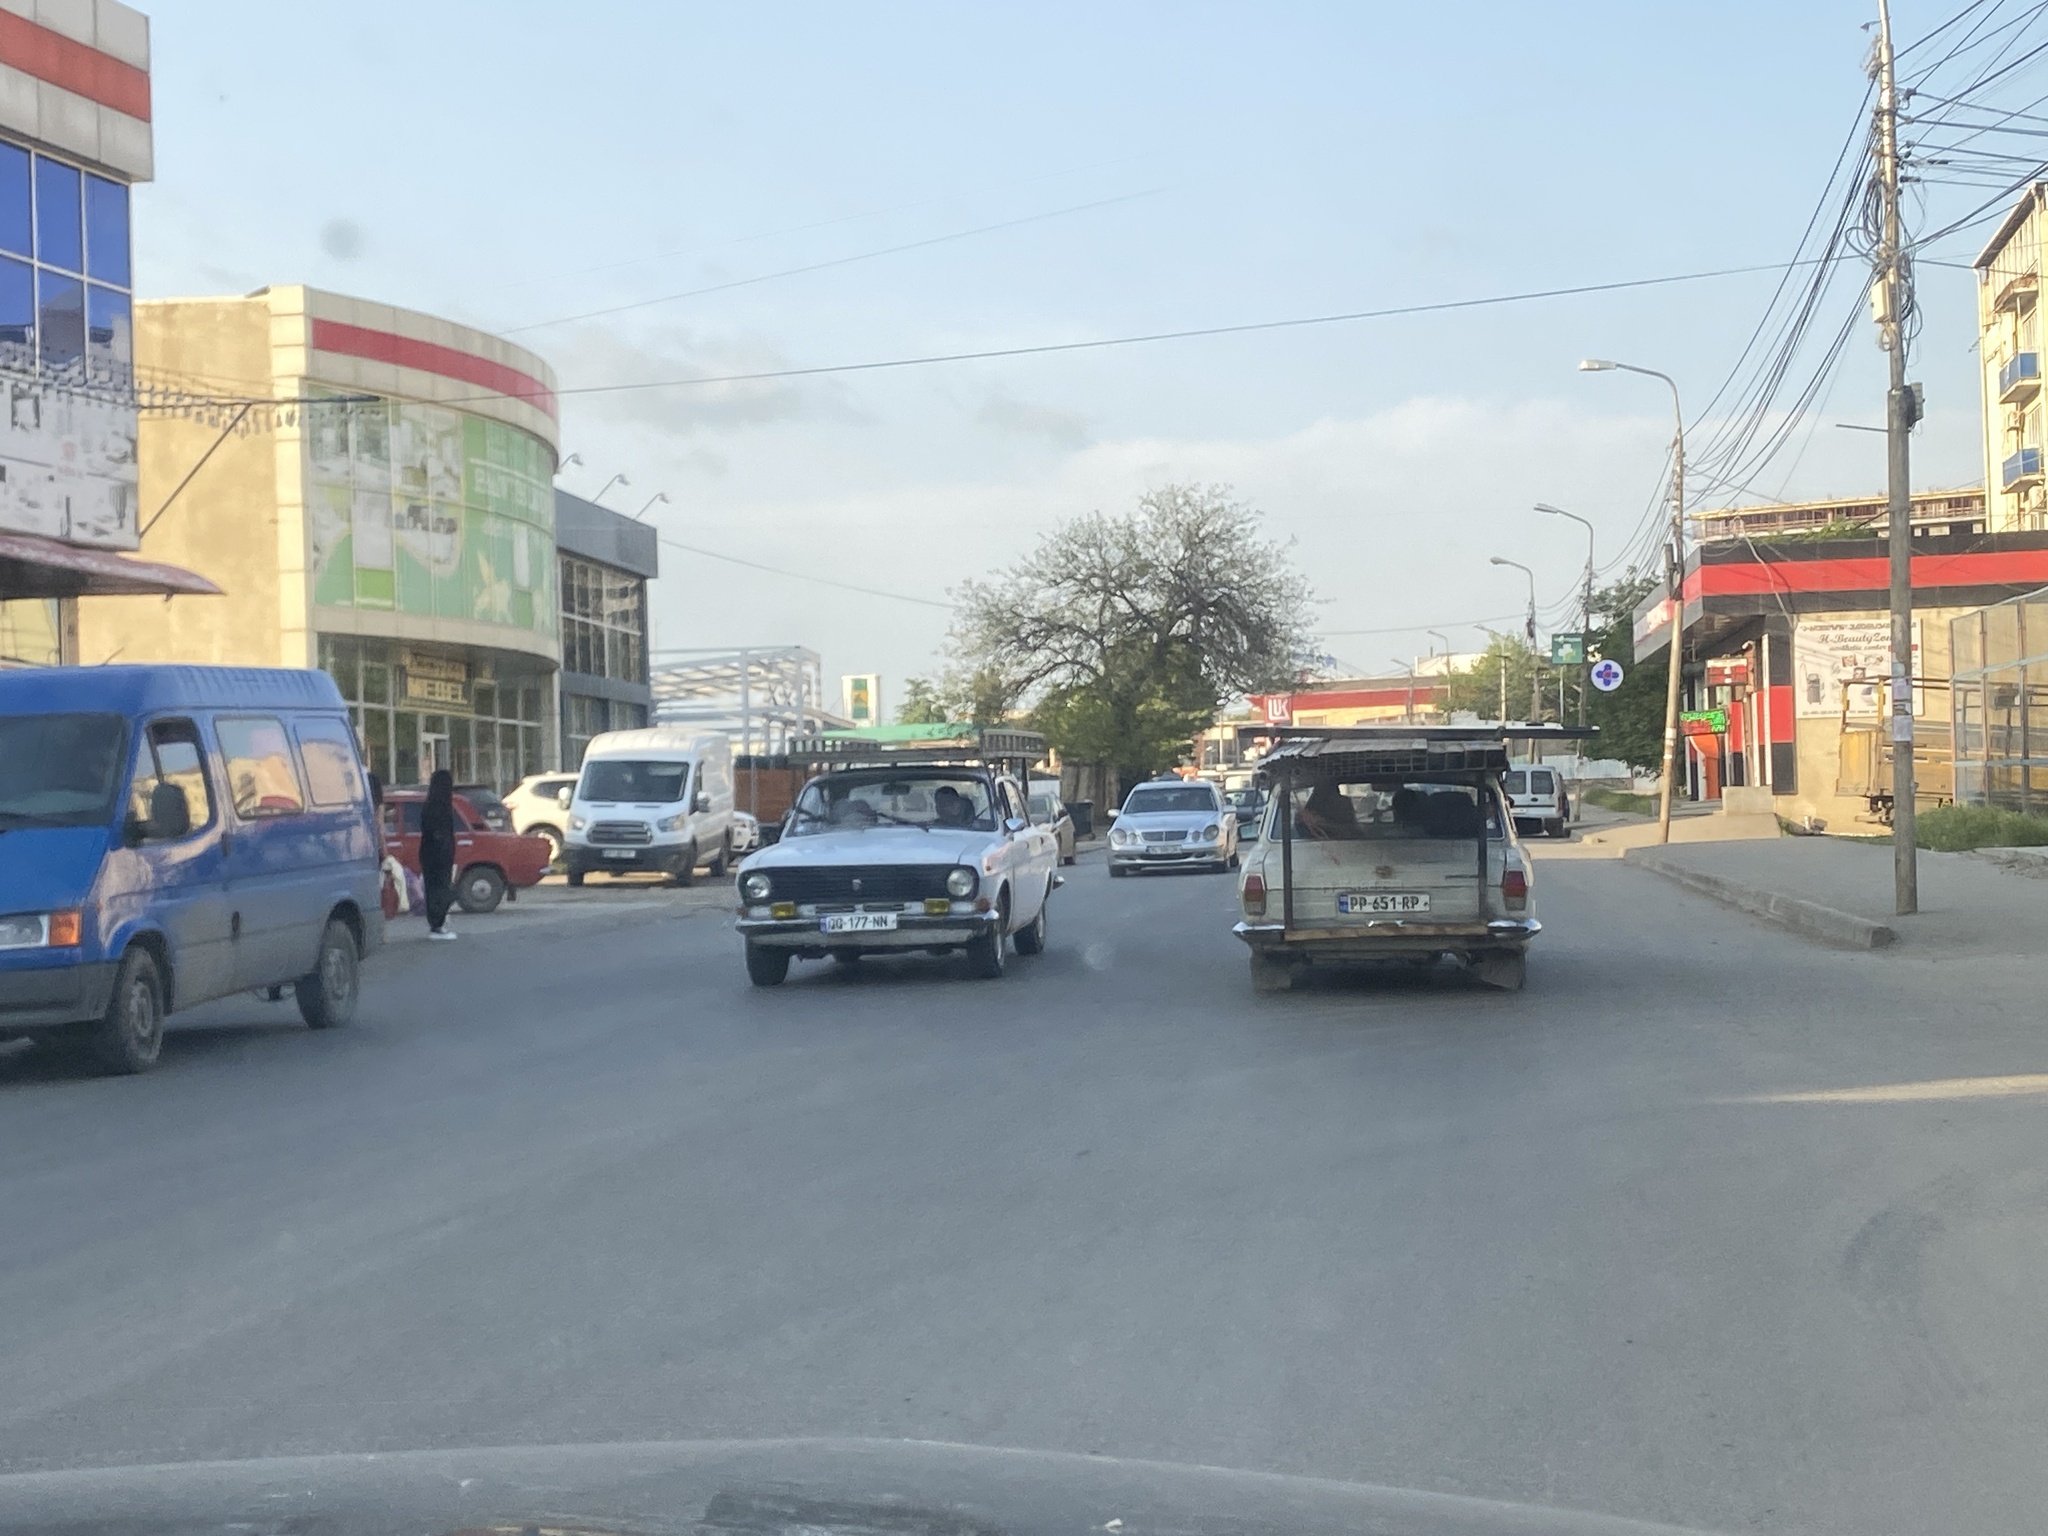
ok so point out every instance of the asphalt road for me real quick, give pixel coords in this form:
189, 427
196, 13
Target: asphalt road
572, 1179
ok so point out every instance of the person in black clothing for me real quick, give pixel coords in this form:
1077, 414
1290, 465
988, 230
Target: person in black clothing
437, 851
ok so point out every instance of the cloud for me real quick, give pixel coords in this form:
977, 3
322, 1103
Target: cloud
1019, 418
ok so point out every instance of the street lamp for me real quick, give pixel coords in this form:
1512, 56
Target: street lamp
568, 464
615, 480
1675, 580
1586, 602
1408, 714
1535, 677
658, 496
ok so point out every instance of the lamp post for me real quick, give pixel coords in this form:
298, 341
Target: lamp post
1408, 714
615, 480
1585, 604
658, 496
1675, 583
568, 464
1535, 673
1445, 674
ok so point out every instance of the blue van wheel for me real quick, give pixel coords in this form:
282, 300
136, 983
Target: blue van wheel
327, 995
131, 1032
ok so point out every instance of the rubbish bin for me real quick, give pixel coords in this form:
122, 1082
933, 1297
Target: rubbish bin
1083, 812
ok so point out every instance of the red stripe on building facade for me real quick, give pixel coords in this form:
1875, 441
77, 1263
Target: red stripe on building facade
1930, 572
73, 66
430, 357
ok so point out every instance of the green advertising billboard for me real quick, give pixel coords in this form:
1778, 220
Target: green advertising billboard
424, 510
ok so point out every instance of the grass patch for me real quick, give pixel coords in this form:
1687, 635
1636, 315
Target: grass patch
1621, 800
1959, 828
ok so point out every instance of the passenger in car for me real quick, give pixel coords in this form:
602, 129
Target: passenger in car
1327, 815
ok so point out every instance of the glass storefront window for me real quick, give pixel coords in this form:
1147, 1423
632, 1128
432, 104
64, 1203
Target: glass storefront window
106, 230
65, 224
109, 332
603, 621
17, 223
499, 741
60, 230
60, 319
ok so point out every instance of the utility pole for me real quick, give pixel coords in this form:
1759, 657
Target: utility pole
1890, 300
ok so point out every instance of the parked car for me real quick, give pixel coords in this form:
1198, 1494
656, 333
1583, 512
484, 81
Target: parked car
1169, 822
487, 804
172, 835
1248, 804
925, 846
1539, 795
656, 799
488, 864
1380, 847
746, 833
534, 804
1050, 810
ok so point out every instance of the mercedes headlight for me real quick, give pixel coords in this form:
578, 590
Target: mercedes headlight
1123, 837
754, 888
962, 883
1211, 833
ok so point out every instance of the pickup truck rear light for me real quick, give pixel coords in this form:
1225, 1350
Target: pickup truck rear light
1514, 890
1254, 896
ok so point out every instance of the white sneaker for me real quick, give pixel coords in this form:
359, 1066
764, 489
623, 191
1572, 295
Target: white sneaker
445, 933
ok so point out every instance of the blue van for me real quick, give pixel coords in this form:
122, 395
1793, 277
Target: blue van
174, 834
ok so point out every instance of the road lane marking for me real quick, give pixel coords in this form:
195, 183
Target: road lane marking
1944, 1090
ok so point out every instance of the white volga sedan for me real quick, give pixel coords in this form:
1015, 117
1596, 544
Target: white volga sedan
917, 854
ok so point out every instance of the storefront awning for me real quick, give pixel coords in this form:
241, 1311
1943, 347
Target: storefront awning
37, 567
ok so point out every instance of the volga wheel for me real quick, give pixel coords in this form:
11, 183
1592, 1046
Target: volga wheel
767, 967
1031, 941
985, 955
1503, 972
1271, 975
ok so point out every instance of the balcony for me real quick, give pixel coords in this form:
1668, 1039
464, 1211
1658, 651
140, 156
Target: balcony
2022, 469
2020, 379
2014, 287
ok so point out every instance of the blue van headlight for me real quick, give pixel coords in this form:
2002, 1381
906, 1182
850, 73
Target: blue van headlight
40, 930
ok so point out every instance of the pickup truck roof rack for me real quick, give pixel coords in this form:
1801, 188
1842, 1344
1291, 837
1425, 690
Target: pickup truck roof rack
999, 747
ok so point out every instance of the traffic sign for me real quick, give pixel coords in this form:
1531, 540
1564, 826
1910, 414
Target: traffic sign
1607, 675
1567, 650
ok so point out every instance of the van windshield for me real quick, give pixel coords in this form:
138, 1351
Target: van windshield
615, 780
60, 770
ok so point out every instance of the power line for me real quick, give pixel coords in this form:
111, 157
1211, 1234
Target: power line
823, 581
836, 261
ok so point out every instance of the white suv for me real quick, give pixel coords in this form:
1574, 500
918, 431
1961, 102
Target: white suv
535, 806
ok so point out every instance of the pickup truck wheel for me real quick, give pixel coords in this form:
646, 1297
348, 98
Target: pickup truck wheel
685, 868
767, 967
130, 1033
327, 994
985, 955
1031, 941
1504, 973
1271, 975
480, 889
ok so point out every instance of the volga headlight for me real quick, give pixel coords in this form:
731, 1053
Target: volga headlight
755, 887
961, 883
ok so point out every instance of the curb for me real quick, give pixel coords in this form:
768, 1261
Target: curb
1809, 919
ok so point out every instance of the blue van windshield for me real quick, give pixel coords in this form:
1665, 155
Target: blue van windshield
60, 770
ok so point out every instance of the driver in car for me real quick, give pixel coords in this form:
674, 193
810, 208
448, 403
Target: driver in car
950, 807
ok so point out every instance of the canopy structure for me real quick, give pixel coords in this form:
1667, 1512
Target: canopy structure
1374, 751
995, 746
32, 566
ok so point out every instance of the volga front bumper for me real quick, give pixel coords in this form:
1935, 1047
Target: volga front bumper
913, 931
1389, 938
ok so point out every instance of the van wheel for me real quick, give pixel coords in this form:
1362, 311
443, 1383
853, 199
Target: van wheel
1504, 973
575, 877
480, 889
767, 967
327, 995
720, 864
1554, 827
130, 1033
686, 867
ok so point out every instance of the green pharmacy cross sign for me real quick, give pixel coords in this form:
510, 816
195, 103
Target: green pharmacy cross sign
1567, 650
1714, 721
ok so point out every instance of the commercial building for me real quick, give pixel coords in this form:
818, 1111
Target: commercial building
1934, 513
75, 135
604, 563
1999, 704
2009, 352
386, 512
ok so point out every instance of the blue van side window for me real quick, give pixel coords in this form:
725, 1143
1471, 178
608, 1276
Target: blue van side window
328, 749
169, 753
261, 778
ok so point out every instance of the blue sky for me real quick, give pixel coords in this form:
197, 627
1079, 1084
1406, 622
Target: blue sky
509, 164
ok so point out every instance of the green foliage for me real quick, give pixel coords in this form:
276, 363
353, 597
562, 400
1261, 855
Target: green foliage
1125, 633
1621, 800
1958, 828
921, 704
1631, 719
1479, 687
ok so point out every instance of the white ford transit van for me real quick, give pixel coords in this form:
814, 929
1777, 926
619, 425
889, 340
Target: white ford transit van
656, 799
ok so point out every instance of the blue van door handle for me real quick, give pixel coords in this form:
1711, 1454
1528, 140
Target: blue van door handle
227, 842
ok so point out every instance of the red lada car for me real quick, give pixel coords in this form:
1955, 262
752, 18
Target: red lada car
487, 863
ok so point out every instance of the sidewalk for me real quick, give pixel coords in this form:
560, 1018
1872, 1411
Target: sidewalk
1969, 904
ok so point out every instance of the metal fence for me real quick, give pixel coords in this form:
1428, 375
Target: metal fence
1999, 703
